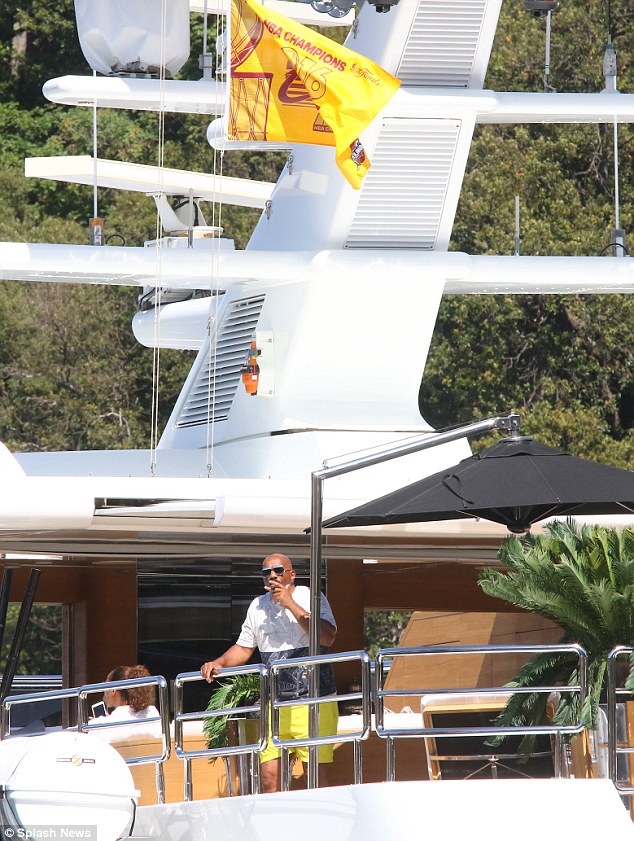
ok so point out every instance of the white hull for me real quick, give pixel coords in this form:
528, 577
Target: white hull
479, 810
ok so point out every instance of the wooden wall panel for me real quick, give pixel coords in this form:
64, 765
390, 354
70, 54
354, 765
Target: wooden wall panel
100, 625
430, 628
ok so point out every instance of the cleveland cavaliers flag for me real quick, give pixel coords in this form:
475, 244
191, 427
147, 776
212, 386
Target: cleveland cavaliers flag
290, 83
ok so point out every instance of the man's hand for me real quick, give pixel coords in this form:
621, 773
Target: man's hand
237, 655
210, 670
280, 593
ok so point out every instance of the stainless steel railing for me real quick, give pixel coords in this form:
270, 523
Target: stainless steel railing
157, 759
270, 704
32, 697
385, 660
82, 694
314, 740
251, 749
619, 752
372, 694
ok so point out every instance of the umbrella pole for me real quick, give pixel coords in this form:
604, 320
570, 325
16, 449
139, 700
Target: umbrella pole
509, 424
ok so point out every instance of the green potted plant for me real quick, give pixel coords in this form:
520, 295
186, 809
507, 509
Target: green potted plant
582, 578
230, 693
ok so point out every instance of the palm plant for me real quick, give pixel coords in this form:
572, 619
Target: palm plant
582, 578
236, 691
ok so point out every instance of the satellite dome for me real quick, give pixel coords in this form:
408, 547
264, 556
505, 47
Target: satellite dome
66, 779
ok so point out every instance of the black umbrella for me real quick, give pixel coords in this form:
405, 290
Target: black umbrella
516, 482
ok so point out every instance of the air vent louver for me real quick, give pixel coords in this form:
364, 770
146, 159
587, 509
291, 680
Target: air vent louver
404, 192
442, 44
211, 395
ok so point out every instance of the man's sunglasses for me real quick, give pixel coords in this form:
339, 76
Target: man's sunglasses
278, 570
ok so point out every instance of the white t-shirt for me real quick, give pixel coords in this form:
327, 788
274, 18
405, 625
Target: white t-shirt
270, 627
143, 729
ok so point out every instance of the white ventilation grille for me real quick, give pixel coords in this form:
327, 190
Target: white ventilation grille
403, 195
211, 395
442, 44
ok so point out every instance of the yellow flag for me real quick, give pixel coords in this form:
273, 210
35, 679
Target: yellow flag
290, 83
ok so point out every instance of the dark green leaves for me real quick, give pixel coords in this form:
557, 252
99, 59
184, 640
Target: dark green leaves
237, 691
581, 578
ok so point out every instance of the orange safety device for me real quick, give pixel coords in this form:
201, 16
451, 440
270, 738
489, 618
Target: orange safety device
251, 371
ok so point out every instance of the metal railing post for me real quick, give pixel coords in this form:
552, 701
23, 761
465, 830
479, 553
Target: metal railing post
188, 787
508, 422
357, 759
619, 739
159, 781
313, 702
285, 775
611, 715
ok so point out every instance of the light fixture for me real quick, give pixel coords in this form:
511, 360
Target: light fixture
323, 6
383, 5
540, 8
250, 371
340, 8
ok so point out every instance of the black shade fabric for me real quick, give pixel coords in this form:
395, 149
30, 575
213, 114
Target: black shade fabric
516, 482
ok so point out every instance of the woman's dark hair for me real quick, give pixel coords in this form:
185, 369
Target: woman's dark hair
138, 697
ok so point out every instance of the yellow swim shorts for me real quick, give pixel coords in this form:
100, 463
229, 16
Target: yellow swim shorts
294, 725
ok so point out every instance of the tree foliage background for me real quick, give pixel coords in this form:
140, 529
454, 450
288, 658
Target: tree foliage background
42, 648
565, 362
383, 629
71, 374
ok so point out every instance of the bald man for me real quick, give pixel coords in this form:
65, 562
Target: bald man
277, 625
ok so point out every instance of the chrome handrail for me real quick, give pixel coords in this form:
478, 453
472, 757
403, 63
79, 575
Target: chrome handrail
85, 725
386, 657
314, 740
15, 700
81, 693
156, 759
269, 696
251, 749
614, 693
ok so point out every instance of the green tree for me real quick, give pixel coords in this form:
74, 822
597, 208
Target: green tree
40, 41
563, 361
42, 646
77, 379
383, 629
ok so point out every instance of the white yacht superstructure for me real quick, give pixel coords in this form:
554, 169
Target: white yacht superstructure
338, 288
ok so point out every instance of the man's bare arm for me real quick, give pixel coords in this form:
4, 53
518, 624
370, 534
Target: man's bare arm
237, 655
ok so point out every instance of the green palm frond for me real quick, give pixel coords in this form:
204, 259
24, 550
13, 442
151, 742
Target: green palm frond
236, 691
581, 578
530, 709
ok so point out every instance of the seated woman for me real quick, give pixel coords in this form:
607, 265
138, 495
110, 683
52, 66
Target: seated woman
134, 704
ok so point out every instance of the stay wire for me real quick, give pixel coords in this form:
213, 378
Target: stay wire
213, 323
156, 350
